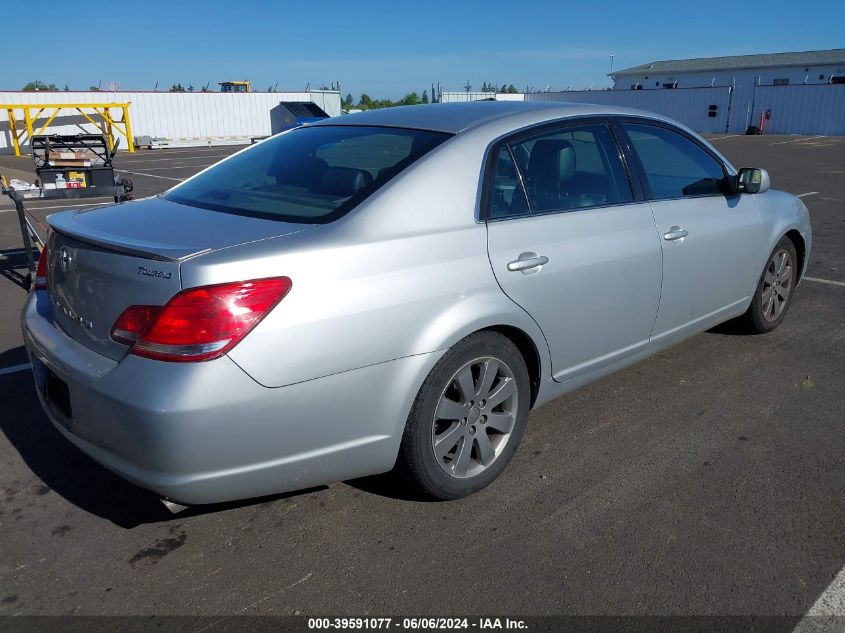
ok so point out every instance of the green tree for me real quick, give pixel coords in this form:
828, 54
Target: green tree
94, 88
66, 89
347, 100
512, 90
424, 98
38, 86
468, 86
365, 101
412, 98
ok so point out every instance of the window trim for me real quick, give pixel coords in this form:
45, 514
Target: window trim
634, 157
516, 136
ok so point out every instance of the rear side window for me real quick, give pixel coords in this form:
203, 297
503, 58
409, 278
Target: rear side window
573, 168
311, 174
508, 196
674, 165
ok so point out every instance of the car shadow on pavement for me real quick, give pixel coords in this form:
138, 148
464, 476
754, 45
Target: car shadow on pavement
734, 327
388, 485
70, 473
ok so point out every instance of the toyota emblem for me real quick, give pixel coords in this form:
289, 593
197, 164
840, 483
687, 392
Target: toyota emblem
64, 259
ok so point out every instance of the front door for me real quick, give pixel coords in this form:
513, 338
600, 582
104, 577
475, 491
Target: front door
711, 239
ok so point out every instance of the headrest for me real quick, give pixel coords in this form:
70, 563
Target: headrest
551, 159
344, 181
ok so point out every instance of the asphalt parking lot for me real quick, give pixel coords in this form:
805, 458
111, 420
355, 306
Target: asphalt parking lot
707, 480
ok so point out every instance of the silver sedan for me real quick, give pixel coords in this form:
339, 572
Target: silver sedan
395, 290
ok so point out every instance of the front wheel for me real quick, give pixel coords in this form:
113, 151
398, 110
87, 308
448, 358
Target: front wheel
773, 295
468, 418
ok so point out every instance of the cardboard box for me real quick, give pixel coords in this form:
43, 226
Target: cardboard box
64, 158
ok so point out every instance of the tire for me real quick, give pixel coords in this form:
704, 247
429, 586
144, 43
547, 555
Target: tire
766, 312
483, 435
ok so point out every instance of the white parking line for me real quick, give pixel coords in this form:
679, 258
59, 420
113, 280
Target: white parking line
138, 173
797, 140
826, 281
164, 151
719, 138
804, 195
177, 167
832, 599
158, 160
14, 369
828, 606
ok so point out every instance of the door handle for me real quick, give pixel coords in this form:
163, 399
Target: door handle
526, 262
675, 233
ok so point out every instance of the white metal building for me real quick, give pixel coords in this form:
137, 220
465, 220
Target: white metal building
189, 118
771, 69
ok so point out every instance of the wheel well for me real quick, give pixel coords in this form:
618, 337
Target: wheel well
800, 249
528, 350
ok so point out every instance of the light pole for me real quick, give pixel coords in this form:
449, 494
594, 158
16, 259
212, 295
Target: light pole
611, 63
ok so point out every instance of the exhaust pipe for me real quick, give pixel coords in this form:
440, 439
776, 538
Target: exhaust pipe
175, 508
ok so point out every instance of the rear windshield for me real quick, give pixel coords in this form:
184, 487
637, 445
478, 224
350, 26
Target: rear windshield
310, 174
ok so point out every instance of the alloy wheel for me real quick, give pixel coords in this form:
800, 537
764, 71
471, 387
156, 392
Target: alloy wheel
777, 285
475, 417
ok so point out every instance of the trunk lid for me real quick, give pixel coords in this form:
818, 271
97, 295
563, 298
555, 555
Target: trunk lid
102, 261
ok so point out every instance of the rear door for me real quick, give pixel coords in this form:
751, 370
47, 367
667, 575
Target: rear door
711, 238
571, 243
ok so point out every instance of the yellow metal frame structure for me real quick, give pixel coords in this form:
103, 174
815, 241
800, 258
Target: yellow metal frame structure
108, 126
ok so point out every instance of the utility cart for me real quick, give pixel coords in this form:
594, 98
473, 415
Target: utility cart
66, 168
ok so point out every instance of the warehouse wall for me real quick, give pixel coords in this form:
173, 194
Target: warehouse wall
802, 109
459, 97
818, 109
690, 107
175, 115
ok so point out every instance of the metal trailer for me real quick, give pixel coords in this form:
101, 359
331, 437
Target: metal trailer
62, 174
31, 238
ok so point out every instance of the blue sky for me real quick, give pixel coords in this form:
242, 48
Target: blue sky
390, 48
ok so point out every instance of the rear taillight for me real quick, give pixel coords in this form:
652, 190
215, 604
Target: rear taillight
199, 323
41, 272
133, 321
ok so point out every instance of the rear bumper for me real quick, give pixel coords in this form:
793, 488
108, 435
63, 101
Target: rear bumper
206, 432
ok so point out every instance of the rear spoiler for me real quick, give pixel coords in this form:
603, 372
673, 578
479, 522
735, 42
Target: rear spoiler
63, 223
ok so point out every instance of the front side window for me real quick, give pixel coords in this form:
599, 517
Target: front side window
674, 165
572, 168
311, 174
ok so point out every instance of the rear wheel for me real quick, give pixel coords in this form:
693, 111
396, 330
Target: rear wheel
467, 419
773, 295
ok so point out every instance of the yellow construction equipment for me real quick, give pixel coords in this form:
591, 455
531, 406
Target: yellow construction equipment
33, 112
235, 86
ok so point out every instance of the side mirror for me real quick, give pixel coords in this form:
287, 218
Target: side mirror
752, 180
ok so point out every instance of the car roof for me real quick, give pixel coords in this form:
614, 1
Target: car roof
458, 117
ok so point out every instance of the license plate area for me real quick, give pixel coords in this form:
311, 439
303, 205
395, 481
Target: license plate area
57, 394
